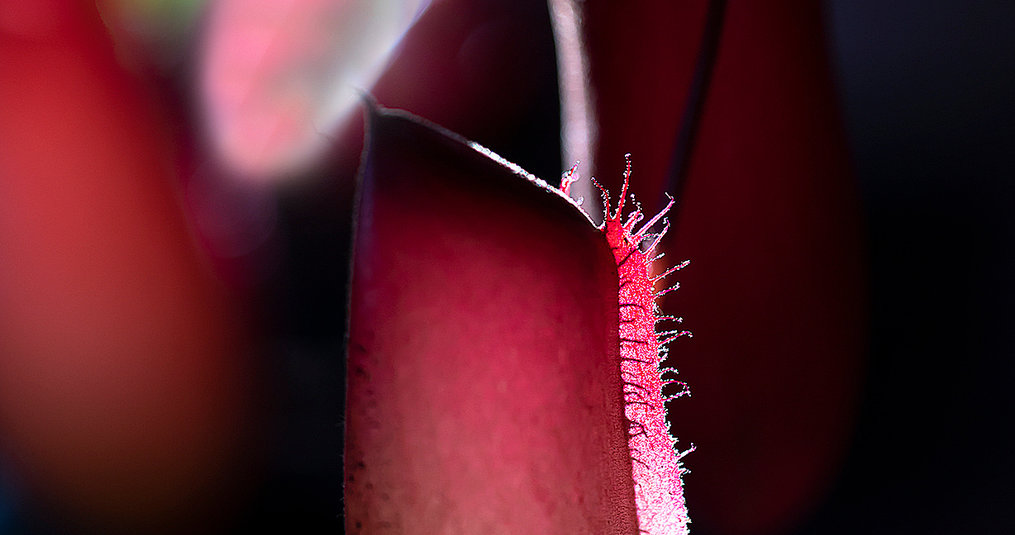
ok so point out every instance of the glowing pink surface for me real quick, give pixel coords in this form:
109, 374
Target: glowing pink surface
656, 468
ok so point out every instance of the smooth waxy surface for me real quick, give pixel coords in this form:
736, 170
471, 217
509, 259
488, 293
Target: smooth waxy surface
484, 389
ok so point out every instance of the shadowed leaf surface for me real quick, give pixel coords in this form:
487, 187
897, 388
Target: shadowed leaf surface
484, 391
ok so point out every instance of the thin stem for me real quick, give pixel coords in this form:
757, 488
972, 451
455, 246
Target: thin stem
578, 126
707, 53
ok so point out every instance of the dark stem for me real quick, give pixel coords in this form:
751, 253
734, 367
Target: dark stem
707, 52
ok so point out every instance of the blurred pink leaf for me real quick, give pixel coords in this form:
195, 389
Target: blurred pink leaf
277, 77
123, 393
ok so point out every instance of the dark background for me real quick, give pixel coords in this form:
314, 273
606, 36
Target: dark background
927, 93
